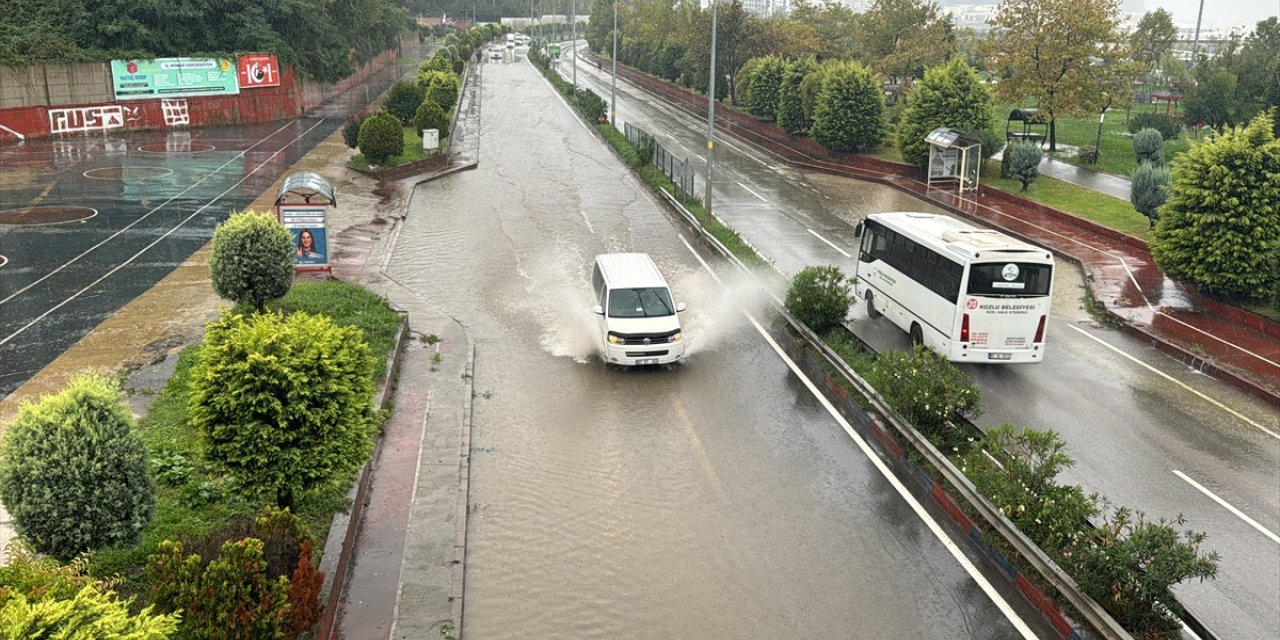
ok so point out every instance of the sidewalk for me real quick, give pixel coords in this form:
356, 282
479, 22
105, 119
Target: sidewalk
1238, 347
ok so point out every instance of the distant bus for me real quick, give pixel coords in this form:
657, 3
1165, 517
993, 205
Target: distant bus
971, 294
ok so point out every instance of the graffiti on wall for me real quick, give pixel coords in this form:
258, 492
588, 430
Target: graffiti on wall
99, 118
175, 112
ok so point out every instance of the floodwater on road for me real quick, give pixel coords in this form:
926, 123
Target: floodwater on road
711, 499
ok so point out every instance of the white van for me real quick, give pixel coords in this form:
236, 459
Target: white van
638, 319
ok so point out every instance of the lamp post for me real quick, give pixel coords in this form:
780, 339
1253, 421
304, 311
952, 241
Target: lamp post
1102, 116
573, 44
613, 80
711, 111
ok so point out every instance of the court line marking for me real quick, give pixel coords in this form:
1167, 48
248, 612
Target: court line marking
752, 192
986, 586
46, 224
21, 138
1226, 505
157, 208
833, 245
157, 240
1184, 385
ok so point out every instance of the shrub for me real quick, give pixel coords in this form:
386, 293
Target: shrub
252, 259
403, 101
791, 115
1149, 189
73, 470
229, 598
1148, 146
351, 131
431, 116
766, 84
381, 137
1220, 228
443, 91
849, 113
928, 391
91, 614
34, 575
1022, 163
1168, 129
950, 95
1129, 565
810, 87
1017, 470
820, 297
284, 404
591, 106
425, 78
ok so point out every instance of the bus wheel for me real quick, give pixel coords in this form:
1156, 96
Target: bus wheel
917, 336
871, 307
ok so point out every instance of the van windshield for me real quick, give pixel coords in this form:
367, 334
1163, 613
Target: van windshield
640, 303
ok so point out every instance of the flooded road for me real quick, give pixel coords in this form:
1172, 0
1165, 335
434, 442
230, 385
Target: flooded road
714, 499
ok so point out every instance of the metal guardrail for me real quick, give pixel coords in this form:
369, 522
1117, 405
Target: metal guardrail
678, 170
1088, 608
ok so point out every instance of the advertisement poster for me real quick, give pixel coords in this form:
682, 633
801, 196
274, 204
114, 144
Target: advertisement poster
310, 242
173, 78
944, 163
258, 70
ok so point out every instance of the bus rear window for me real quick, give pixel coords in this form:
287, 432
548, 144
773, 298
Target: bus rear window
1010, 279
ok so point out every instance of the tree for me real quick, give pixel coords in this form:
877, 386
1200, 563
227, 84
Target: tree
791, 116
1259, 84
1220, 228
403, 100
1153, 39
381, 137
820, 297
849, 114
431, 116
283, 404
951, 95
736, 31
252, 259
1069, 55
443, 91
73, 470
1022, 163
901, 38
1148, 192
766, 83
1214, 101
835, 24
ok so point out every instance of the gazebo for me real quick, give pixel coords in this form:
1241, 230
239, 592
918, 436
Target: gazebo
954, 156
1030, 121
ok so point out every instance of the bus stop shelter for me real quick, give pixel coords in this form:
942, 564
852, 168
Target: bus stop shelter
954, 157
302, 206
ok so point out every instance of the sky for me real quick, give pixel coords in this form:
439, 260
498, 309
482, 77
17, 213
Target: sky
1217, 13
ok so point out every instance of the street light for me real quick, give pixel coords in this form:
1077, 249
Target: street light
573, 44
613, 81
711, 111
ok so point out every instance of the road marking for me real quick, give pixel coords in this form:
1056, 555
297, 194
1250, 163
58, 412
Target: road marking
833, 245
588, 221
987, 588
707, 468
1170, 378
157, 240
148, 214
1236, 512
762, 199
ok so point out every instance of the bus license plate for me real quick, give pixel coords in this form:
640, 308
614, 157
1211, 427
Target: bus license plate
647, 361
999, 356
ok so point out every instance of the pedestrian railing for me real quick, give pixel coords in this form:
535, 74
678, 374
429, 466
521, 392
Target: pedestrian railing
678, 170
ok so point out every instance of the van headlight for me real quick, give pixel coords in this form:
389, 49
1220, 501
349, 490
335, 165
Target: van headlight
613, 339
677, 337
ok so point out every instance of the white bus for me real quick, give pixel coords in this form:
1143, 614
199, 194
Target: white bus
971, 294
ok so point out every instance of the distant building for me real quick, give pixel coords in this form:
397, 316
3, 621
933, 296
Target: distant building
767, 8
972, 16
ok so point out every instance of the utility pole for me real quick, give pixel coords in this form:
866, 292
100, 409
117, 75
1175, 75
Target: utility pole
711, 111
1195, 45
573, 45
613, 81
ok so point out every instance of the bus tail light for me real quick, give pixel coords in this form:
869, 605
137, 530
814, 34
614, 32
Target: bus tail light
1040, 331
964, 329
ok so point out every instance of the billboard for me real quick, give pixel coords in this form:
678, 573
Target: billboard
310, 241
173, 78
258, 70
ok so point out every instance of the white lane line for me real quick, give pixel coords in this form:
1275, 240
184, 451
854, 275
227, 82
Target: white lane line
1013, 617
833, 245
157, 240
762, 199
1234, 511
1166, 376
148, 214
588, 221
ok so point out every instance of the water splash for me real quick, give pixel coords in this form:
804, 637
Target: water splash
715, 313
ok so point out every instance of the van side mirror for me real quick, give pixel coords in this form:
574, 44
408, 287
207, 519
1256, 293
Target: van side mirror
681, 307
857, 228
599, 310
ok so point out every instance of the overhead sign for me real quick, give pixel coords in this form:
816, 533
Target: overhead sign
173, 78
258, 70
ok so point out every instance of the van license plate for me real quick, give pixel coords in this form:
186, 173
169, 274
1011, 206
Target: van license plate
647, 361
999, 356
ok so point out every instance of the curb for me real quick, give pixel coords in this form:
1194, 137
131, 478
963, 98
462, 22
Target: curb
458, 585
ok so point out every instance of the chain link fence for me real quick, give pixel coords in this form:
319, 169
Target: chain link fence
679, 170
